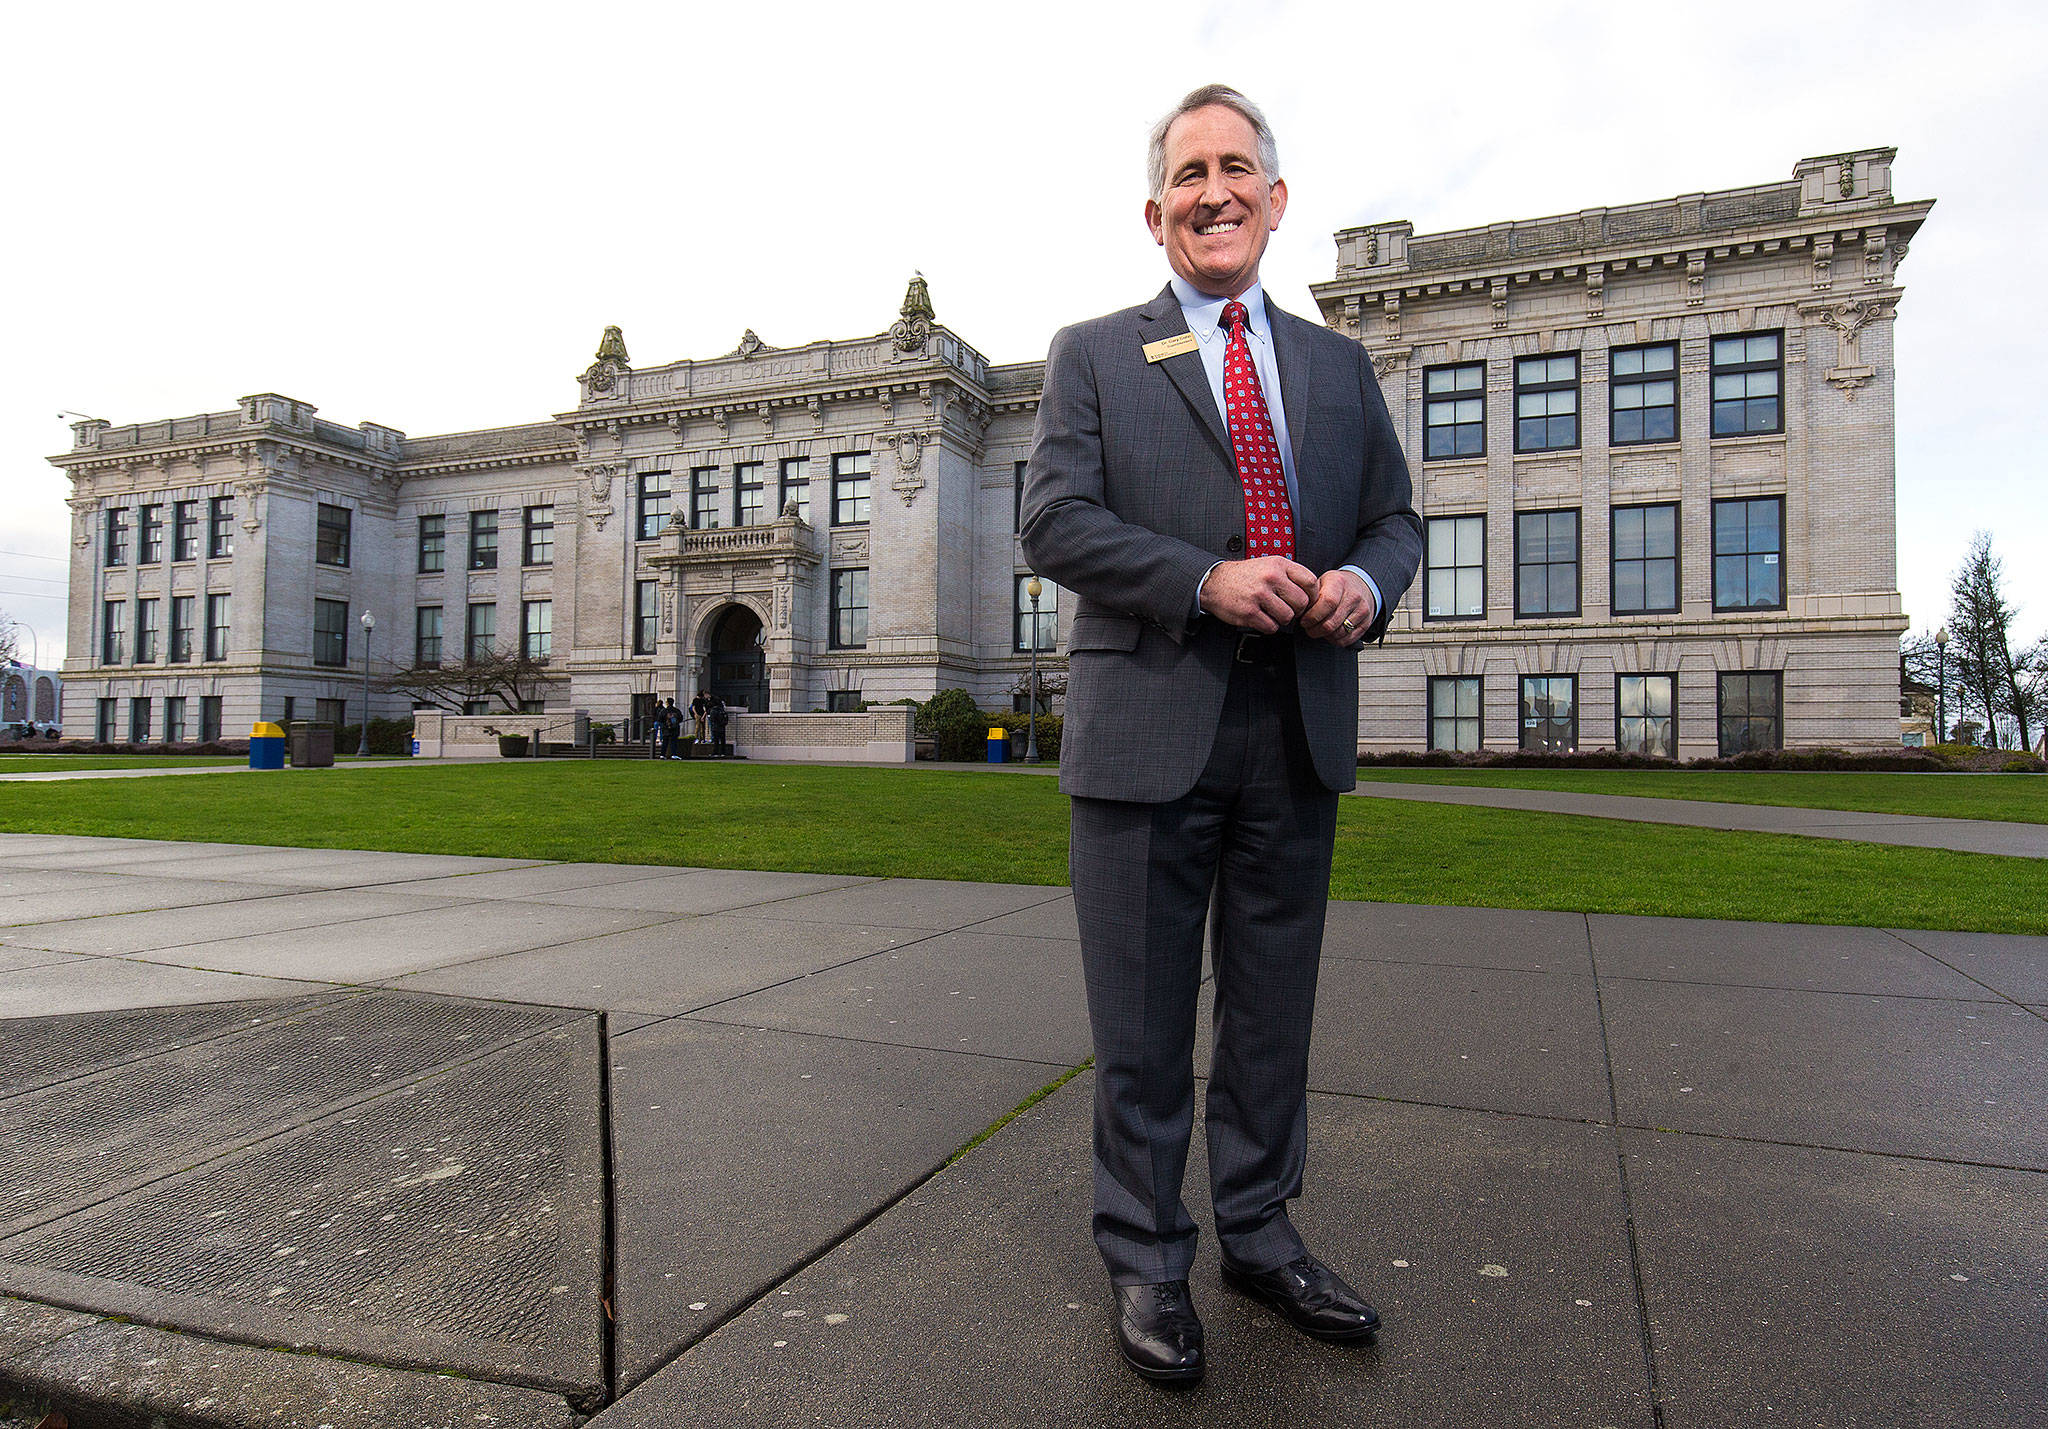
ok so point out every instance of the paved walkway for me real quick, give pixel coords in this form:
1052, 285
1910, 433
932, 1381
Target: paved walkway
672, 1146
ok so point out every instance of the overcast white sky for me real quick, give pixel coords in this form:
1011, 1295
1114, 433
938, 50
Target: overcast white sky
424, 214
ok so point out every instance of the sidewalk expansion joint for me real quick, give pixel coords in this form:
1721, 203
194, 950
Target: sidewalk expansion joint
2002, 997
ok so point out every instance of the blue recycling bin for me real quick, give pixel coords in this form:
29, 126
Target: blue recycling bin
266, 746
998, 745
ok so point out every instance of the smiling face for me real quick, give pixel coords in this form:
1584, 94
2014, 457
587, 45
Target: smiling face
1220, 206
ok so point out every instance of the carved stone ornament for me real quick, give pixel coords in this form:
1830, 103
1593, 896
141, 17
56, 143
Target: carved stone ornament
1823, 264
1695, 279
82, 509
908, 448
783, 602
913, 327
602, 376
1389, 360
1846, 181
250, 492
1390, 308
600, 475
1848, 319
1500, 302
749, 345
1596, 289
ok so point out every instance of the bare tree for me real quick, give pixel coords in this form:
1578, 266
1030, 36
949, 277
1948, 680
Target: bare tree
1923, 661
1980, 628
9, 641
506, 675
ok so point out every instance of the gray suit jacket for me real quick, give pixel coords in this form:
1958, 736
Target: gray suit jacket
1132, 494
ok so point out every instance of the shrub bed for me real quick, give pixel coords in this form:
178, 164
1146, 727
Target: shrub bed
1937, 759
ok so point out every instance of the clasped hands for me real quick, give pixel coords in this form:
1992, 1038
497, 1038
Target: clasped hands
1268, 592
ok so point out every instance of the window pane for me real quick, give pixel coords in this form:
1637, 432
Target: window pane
1763, 580
1564, 589
1441, 380
1659, 585
1659, 394
1529, 538
1529, 370
1628, 532
1729, 587
1727, 350
1659, 425
1470, 409
1627, 362
1728, 418
1531, 404
1628, 427
1564, 535
1764, 349
1729, 386
1530, 596
1628, 586
1659, 359
1443, 537
1472, 377
1627, 396
1763, 525
1471, 595
1470, 440
1763, 415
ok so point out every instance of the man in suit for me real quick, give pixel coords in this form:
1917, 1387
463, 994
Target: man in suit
1221, 485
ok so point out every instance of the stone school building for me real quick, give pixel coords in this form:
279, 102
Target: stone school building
1652, 444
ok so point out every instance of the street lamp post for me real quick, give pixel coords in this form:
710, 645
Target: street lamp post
1941, 685
369, 626
1033, 588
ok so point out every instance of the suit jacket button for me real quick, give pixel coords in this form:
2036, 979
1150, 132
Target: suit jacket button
1234, 544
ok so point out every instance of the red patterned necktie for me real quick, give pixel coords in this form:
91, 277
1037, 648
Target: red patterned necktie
1268, 521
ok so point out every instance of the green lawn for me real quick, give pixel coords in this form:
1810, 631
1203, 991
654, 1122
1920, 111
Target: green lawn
941, 824
2012, 798
50, 763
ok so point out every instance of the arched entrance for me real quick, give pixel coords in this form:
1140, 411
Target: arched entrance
739, 669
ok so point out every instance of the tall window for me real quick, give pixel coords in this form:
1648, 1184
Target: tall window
1454, 583
148, 630
174, 719
1749, 549
750, 495
704, 498
646, 616
1546, 563
795, 483
1646, 715
217, 627
334, 712
1044, 634
539, 542
651, 505
209, 718
114, 632
537, 628
426, 636
483, 540
117, 536
150, 529
433, 543
220, 527
1547, 403
1454, 411
103, 722
850, 488
185, 531
1550, 713
1642, 394
138, 721
481, 634
182, 612
1454, 712
1748, 373
1752, 711
849, 609
330, 632
1017, 495
330, 546
1645, 545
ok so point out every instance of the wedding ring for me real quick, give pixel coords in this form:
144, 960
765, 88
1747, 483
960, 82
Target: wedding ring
1347, 622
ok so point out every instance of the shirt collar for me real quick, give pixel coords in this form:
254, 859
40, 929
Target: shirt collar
1205, 313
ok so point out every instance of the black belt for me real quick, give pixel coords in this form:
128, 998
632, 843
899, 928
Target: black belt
1270, 650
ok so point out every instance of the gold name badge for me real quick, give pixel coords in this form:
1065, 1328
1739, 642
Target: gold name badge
1171, 347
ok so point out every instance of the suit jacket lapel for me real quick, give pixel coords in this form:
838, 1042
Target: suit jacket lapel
1162, 318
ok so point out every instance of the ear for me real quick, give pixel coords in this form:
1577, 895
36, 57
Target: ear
1279, 203
1156, 221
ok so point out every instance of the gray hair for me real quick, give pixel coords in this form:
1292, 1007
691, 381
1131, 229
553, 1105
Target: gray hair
1208, 94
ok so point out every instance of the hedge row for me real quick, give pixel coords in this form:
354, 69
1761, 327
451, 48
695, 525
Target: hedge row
1941, 759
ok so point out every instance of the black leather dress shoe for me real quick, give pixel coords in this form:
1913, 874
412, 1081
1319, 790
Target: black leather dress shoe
1158, 1331
1313, 1297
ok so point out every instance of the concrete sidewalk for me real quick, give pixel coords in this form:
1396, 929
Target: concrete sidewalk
492, 1141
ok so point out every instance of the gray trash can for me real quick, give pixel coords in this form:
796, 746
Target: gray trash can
311, 745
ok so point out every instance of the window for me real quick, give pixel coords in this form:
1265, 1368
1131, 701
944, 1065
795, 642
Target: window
749, 494
288, 709
1550, 713
1642, 393
1748, 544
433, 544
1454, 712
483, 540
652, 510
1747, 373
148, 630
1547, 403
540, 536
1646, 715
103, 723
114, 632
1752, 705
640, 718
216, 627
330, 546
476, 706
482, 632
138, 721
1017, 496
185, 531
1645, 544
1546, 563
150, 531
537, 628
842, 702
426, 636
1454, 411
1454, 585
850, 488
330, 632
646, 616
334, 712
704, 498
849, 609
795, 486
117, 536
181, 628
1048, 619
209, 718
220, 527
174, 719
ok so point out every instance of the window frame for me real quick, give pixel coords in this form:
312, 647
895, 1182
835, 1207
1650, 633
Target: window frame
174, 719
179, 651
209, 718
653, 497
1715, 554
1522, 684
1677, 558
741, 486
431, 547
113, 632
471, 634
1550, 386
1017, 497
704, 511
1454, 395
1716, 370
539, 632
220, 528
845, 608
1429, 715
646, 615
800, 483
185, 530
114, 545
422, 657
852, 488
332, 535
105, 715
1670, 676
331, 642
483, 555
1615, 384
149, 534
1578, 564
1428, 570
148, 629
139, 714
1048, 615
537, 535
1721, 678
217, 600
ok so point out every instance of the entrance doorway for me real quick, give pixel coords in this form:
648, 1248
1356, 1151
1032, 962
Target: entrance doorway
739, 669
